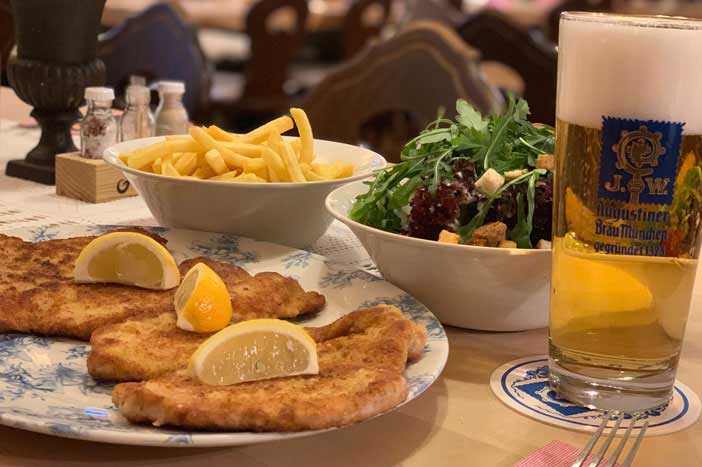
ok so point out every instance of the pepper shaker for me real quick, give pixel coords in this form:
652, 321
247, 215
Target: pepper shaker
137, 120
171, 116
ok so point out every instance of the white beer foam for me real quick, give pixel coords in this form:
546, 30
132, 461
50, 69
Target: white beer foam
631, 69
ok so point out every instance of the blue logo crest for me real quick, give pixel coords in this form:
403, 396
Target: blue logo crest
639, 160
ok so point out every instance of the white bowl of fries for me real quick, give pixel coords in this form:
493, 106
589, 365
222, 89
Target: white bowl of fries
258, 185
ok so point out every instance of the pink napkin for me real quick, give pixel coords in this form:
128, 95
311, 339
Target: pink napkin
554, 454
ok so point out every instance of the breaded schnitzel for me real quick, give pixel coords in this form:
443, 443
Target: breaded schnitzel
332, 398
362, 357
37, 294
26, 265
151, 345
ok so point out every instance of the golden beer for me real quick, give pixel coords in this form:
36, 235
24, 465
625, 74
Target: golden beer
628, 198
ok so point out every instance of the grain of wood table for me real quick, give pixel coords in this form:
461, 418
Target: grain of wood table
457, 422
230, 15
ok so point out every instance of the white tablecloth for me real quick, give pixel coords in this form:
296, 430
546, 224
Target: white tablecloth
26, 204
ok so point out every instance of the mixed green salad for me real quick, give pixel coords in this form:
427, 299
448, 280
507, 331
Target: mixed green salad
482, 180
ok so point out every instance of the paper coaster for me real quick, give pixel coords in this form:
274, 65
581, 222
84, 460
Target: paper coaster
523, 385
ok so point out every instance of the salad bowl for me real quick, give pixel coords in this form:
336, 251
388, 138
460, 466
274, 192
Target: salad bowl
473, 287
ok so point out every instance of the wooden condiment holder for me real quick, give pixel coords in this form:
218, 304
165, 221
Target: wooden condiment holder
91, 180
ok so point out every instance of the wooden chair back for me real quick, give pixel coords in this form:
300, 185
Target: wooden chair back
277, 31
364, 21
158, 45
397, 86
499, 40
7, 33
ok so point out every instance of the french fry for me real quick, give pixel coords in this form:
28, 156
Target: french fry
156, 166
168, 169
186, 145
333, 171
221, 135
291, 163
232, 159
216, 162
123, 157
310, 174
245, 149
186, 163
257, 167
249, 178
296, 144
306, 136
276, 168
146, 156
203, 173
226, 177
279, 125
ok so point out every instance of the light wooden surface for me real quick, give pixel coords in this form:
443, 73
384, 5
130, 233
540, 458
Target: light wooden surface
457, 422
229, 15
90, 180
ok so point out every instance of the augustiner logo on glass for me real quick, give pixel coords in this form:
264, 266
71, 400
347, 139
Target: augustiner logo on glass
638, 166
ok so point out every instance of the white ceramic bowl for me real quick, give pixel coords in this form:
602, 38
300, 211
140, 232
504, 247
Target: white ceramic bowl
292, 214
491, 289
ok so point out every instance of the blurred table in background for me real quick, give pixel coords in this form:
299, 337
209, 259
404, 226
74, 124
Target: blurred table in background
230, 15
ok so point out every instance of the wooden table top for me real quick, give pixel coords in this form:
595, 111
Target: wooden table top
229, 15
458, 421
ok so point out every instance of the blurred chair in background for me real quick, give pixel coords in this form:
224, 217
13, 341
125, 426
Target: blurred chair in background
442, 11
276, 29
158, 45
7, 35
391, 90
536, 64
364, 21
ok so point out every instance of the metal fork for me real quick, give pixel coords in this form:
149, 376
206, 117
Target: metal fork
617, 417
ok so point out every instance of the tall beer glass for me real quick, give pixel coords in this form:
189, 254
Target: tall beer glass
628, 198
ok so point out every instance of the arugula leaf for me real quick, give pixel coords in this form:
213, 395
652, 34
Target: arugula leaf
469, 117
521, 232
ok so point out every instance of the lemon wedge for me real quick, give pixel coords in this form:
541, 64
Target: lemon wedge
255, 350
202, 301
127, 258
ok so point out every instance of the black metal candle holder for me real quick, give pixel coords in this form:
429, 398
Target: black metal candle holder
56, 49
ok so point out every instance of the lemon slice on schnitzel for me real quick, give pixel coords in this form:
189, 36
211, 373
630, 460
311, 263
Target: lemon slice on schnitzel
255, 350
202, 301
127, 258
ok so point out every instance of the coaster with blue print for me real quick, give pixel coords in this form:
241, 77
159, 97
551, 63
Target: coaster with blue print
523, 385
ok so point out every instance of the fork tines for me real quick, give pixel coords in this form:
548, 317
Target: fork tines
617, 418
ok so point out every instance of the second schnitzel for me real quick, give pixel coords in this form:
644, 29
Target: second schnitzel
362, 358
151, 345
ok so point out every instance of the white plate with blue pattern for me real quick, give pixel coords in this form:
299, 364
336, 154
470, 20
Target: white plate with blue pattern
45, 387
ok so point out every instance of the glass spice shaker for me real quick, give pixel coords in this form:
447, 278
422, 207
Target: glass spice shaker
98, 129
171, 116
137, 120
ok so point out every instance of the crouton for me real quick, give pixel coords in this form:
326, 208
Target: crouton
507, 244
489, 234
545, 161
449, 237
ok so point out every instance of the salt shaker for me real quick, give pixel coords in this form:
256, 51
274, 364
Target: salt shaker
98, 129
137, 120
171, 116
